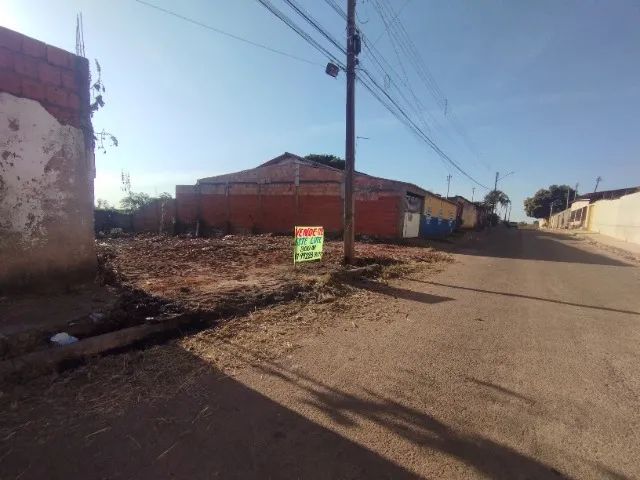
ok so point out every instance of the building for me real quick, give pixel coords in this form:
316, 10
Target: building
439, 216
46, 164
611, 212
470, 215
290, 190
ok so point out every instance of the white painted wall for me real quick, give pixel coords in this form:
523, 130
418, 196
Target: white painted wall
411, 225
46, 193
618, 218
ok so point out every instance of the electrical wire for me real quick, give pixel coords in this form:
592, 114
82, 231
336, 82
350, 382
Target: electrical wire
227, 34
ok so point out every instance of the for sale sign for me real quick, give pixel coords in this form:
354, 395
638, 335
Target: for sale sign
308, 243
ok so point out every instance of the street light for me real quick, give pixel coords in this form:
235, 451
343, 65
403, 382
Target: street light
495, 185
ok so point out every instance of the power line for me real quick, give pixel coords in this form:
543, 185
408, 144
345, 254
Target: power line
337, 8
415, 128
227, 34
308, 38
398, 33
390, 103
314, 23
391, 21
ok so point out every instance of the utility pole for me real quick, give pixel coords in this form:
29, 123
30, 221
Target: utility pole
495, 185
448, 184
568, 195
350, 154
473, 192
598, 180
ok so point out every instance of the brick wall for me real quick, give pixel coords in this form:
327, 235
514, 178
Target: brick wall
46, 165
157, 216
55, 78
267, 199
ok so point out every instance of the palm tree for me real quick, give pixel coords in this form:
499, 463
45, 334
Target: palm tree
495, 198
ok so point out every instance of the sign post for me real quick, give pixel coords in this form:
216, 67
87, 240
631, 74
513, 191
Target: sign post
308, 244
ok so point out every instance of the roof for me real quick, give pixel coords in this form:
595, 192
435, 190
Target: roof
607, 194
297, 158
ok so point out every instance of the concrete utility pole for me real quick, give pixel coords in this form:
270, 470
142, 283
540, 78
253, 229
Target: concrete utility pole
473, 192
350, 154
598, 180
495, 184
448, 184
568, 195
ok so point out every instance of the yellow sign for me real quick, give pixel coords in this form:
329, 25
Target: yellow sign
308, 244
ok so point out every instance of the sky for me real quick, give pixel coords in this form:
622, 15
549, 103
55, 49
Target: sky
547, 89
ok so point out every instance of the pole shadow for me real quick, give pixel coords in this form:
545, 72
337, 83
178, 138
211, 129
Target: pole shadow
528, 297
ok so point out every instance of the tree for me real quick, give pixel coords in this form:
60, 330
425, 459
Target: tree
539, 206
326, 159
495, 198
103, 204
134, 201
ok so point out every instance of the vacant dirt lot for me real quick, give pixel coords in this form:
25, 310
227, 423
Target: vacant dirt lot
237, 272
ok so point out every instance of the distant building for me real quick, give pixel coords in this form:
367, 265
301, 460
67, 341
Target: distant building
612, 212
290, 190
470, 215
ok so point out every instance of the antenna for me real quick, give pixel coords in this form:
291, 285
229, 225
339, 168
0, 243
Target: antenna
598, 180
79, 36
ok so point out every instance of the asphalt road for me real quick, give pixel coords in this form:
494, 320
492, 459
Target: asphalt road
521, 360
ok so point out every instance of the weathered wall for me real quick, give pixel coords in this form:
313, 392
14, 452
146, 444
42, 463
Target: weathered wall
617, 218
157, 216
276, 197
46, 164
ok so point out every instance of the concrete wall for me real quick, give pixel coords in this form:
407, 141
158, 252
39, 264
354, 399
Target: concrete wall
46, 164
276, 197
617, 218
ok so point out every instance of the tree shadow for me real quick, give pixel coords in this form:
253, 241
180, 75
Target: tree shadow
529, 244
528, 297
486, 456
217, 429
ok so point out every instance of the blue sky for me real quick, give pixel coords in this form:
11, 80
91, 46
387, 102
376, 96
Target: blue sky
548, 89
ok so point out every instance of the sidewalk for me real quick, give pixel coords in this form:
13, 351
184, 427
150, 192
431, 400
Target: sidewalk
626, 249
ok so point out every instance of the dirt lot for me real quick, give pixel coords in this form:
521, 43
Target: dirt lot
236, 272
196, 274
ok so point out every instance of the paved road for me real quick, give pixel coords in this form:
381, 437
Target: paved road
519, 361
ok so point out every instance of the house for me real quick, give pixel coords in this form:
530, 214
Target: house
612, 212
439, 216
46, 165
289, 190
470, 215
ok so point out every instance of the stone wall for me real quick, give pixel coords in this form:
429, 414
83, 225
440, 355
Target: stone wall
46, 165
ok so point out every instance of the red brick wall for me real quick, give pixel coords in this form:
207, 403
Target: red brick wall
379, 217
152, 218
266, 199
57, 79
325, 210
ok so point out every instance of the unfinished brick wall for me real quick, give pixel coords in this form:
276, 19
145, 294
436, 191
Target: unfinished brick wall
279, 195
46, 164
157, 216
55, 78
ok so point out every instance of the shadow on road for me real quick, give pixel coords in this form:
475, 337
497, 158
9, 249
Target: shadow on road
397, 292
528, 244
500, 389
215, 428
528, 297
490, 458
